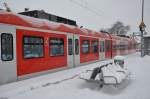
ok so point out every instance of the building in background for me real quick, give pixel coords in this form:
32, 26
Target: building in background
147, 45
43, 15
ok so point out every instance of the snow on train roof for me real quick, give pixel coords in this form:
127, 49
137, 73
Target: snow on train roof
114, 37
21, 20
26, 21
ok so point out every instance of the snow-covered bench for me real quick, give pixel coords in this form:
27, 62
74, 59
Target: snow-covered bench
111, 73
114, 74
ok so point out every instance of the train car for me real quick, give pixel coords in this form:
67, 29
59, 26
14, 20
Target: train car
31, 47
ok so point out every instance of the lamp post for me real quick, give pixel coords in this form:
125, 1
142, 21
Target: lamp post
142, 27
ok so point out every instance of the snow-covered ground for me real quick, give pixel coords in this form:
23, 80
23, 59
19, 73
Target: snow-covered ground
66, 84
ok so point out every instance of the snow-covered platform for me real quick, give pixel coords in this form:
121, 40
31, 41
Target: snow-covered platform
66, 84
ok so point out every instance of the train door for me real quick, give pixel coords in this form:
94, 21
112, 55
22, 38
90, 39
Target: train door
102, 50
70, 57
8, 70
76, 50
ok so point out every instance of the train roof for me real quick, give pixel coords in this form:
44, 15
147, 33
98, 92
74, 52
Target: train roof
114, 37
26, 21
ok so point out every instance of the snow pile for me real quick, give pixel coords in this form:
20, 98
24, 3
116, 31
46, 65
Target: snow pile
119, 58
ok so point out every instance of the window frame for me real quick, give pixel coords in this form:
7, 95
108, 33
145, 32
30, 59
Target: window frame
71, 47
88, 47
77, 47
31, 36
50, 46
102, 46
108, 45
92, 45
12, 47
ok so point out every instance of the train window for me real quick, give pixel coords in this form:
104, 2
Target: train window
122, 46
95, 46
108, 45
56, 46
114, 47
85, 46
70, 47
33, 47
76, 46
102, 48
6, 47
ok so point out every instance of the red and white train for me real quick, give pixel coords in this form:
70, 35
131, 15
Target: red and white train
30, 46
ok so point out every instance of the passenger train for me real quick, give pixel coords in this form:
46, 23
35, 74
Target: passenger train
31, 46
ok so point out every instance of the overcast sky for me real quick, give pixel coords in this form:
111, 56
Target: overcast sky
92, 14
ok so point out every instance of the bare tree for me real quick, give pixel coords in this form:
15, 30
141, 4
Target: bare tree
118, 29
103, 30
7, 7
